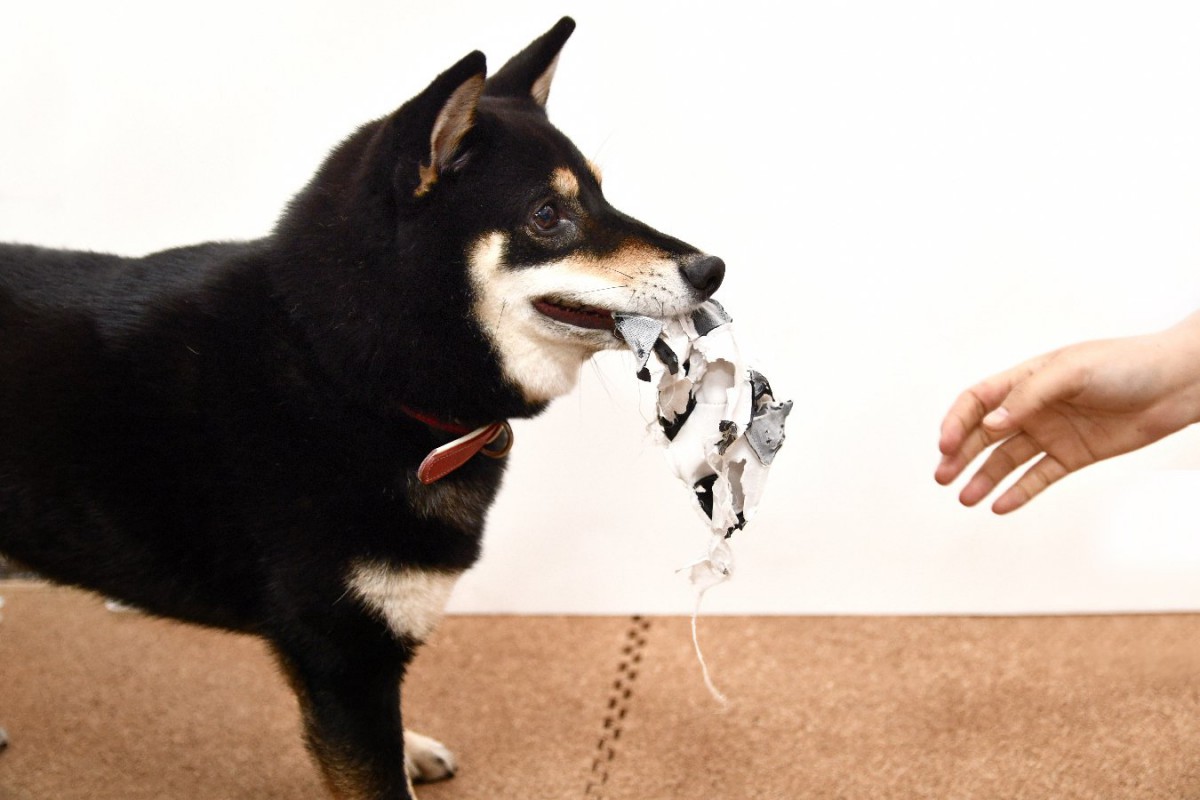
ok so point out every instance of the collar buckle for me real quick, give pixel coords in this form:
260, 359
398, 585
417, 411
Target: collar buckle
494, 441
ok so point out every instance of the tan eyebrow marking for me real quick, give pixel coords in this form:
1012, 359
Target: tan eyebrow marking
594, 168
564, 182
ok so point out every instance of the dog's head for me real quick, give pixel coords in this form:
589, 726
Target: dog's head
496, 229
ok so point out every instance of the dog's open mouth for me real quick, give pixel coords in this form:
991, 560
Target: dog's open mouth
577, 315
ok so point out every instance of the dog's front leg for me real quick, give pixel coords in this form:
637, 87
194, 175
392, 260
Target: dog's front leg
350, 701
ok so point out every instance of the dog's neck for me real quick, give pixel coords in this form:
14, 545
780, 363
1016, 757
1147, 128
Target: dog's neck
493, 440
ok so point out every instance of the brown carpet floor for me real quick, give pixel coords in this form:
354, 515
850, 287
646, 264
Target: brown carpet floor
101, 705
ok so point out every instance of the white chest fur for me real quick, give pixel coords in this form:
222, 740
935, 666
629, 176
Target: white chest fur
410, 601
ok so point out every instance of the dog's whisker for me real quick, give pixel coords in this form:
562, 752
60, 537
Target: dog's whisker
614, 269
604, 381
604, 289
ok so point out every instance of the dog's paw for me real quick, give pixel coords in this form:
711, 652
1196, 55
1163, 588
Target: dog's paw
427, 759
3, 739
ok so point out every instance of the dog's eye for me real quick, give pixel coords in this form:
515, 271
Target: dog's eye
546, 218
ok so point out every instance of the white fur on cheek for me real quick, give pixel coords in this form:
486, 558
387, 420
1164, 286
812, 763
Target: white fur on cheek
541, 365
410, 601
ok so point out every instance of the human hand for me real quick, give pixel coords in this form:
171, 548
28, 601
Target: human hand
1073, 407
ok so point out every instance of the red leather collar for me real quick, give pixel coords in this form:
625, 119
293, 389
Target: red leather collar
494, 441
437, 423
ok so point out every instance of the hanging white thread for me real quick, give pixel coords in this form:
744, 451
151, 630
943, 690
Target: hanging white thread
712, 570
708, 681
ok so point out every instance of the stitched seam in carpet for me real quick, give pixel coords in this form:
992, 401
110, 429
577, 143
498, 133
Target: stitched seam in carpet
617, 707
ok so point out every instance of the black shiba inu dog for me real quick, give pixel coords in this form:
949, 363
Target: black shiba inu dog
284, 436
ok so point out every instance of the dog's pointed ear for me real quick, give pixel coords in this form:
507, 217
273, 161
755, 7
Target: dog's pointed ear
529, 73
449, 108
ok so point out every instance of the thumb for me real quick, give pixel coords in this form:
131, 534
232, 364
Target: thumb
998, 419
1044, 385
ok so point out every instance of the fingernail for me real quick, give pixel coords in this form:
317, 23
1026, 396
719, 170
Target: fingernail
997, 418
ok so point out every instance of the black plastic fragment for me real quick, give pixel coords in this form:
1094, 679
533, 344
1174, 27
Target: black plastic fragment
710, 316
666, 355
671, 429
729, 433
704, 493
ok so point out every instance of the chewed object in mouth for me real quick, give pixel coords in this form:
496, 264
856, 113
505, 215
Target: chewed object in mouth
580, 316
720, 421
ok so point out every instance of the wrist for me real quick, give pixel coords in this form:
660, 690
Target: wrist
1183, 344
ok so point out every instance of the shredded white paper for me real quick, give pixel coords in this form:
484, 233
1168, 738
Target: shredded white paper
720, 423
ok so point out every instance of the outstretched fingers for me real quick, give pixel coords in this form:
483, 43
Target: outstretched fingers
952, 464
1001, 463
963, 435
998, 408
1036, 479
964, 416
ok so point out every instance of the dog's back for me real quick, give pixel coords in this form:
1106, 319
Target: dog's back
111, 291
106, 380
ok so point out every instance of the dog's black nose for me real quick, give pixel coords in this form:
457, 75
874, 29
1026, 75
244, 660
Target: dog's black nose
705, 273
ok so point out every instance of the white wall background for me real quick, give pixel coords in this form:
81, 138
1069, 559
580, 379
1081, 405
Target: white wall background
910, 196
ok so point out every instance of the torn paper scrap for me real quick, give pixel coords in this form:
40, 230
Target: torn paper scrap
720, 420
640, 333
